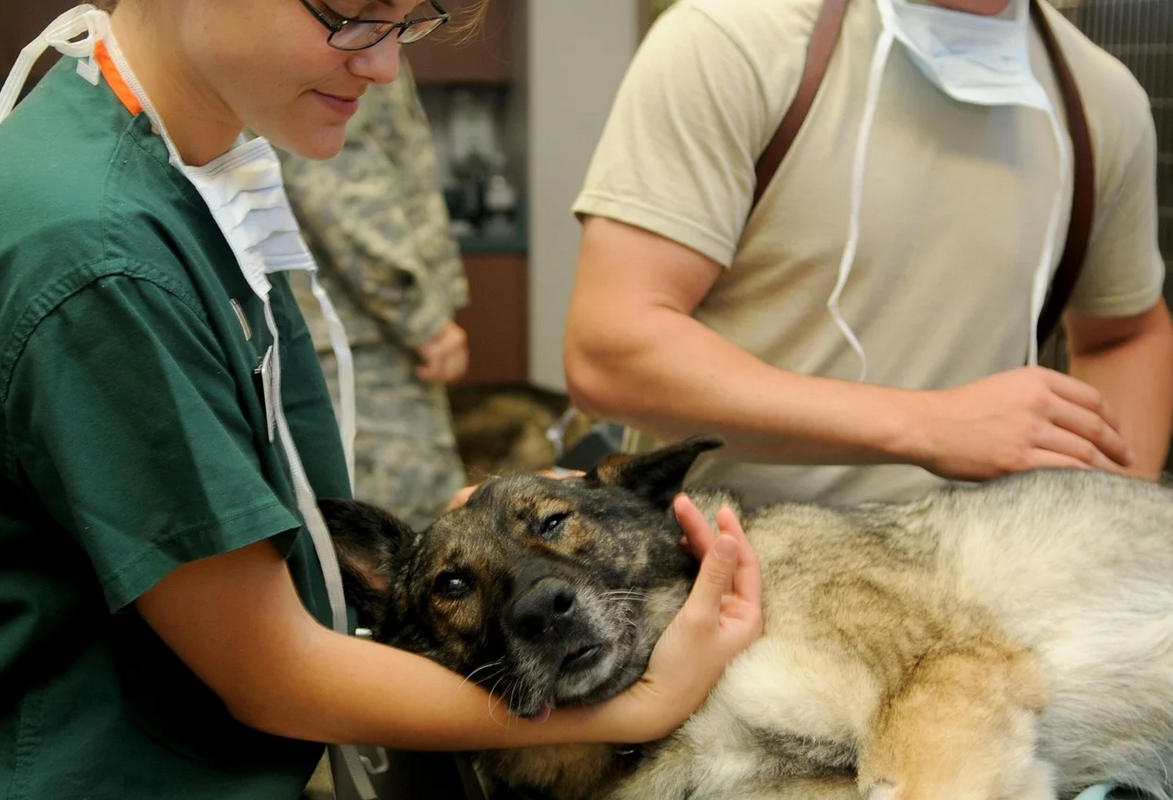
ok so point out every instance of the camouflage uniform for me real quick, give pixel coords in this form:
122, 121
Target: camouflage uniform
376, 221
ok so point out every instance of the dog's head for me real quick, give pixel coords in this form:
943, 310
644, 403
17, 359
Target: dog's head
549, 592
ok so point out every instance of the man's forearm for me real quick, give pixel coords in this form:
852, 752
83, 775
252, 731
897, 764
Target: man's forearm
672, 377
1135, 376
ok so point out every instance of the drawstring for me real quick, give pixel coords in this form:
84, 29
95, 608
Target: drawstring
875, 78
345, 360
307, 504
59, 35
1042, 278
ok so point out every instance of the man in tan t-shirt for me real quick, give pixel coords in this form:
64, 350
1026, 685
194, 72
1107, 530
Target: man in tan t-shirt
899, 361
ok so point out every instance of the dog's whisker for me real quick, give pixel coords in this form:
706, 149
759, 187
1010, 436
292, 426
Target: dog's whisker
498, 663
495, 700
497, 674
644, 597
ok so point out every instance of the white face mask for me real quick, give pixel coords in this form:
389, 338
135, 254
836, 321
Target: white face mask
973, 59
246, 196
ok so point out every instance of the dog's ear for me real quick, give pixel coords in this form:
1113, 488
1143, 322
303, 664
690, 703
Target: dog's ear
658, 475
366, 539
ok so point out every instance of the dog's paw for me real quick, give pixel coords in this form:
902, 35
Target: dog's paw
881, 791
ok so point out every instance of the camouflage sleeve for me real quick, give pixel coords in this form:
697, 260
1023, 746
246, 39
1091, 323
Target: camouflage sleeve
375, 217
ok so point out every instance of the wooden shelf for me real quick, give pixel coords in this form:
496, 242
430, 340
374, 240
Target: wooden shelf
497, 317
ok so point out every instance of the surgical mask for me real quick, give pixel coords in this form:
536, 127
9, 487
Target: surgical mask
973, 59
245, 194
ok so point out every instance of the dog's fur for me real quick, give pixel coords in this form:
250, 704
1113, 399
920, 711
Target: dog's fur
1008, 641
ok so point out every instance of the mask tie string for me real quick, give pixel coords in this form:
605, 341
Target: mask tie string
875, 79
59, 35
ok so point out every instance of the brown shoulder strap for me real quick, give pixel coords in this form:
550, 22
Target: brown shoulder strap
818, 54
1083, 199
822, 44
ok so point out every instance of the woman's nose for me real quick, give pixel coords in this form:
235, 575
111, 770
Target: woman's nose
378, 64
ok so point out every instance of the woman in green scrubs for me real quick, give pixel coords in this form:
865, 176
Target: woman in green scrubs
164, 621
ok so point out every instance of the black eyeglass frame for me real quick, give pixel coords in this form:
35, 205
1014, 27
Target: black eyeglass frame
399, 27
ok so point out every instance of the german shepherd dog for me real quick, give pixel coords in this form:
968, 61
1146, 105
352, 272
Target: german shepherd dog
1011, 640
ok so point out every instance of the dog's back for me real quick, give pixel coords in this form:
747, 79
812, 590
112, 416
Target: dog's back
1070, 569
1078, 567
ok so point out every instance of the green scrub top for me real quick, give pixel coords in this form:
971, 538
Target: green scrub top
133, 439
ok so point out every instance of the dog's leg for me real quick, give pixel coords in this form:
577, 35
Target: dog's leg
962, 727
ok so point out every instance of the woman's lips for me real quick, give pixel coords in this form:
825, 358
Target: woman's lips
346, 106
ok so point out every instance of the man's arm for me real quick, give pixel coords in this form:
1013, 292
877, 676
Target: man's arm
1130, 361
634, 353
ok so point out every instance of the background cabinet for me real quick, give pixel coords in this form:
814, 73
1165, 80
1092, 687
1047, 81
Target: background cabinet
496, 317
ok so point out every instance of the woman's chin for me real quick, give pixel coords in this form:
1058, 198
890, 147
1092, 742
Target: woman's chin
320, 143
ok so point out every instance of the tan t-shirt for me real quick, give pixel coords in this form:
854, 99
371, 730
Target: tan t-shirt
955, 207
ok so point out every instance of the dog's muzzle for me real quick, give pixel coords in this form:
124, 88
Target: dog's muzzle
545, 611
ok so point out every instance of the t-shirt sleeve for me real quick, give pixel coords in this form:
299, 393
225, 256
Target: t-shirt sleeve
1123, 272
693, 112
125, 421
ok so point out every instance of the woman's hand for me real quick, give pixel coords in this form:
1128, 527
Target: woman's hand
722, 616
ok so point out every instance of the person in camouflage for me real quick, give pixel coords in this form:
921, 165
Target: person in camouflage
376, 221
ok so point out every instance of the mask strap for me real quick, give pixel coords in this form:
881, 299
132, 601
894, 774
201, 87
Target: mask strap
319, 533
59, 35
345, 360
875, 79
1042, 277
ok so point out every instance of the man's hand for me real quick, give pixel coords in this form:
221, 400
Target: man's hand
1018, 420
445, 355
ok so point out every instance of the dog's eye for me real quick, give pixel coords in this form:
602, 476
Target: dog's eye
551, 525
452, 585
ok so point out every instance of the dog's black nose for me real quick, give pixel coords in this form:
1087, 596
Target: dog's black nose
546, 608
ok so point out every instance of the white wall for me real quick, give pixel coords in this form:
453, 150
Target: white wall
577, 54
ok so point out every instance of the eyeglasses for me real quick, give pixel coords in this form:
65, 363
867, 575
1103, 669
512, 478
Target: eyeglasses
359, 34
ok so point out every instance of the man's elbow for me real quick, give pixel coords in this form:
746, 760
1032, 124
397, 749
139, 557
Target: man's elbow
588, 381
599, 372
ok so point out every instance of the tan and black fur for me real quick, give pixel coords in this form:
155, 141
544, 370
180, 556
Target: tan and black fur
1008, 641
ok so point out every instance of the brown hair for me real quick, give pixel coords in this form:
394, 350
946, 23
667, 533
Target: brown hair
466, 23
105, 5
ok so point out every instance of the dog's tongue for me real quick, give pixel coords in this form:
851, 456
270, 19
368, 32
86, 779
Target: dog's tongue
542, 715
